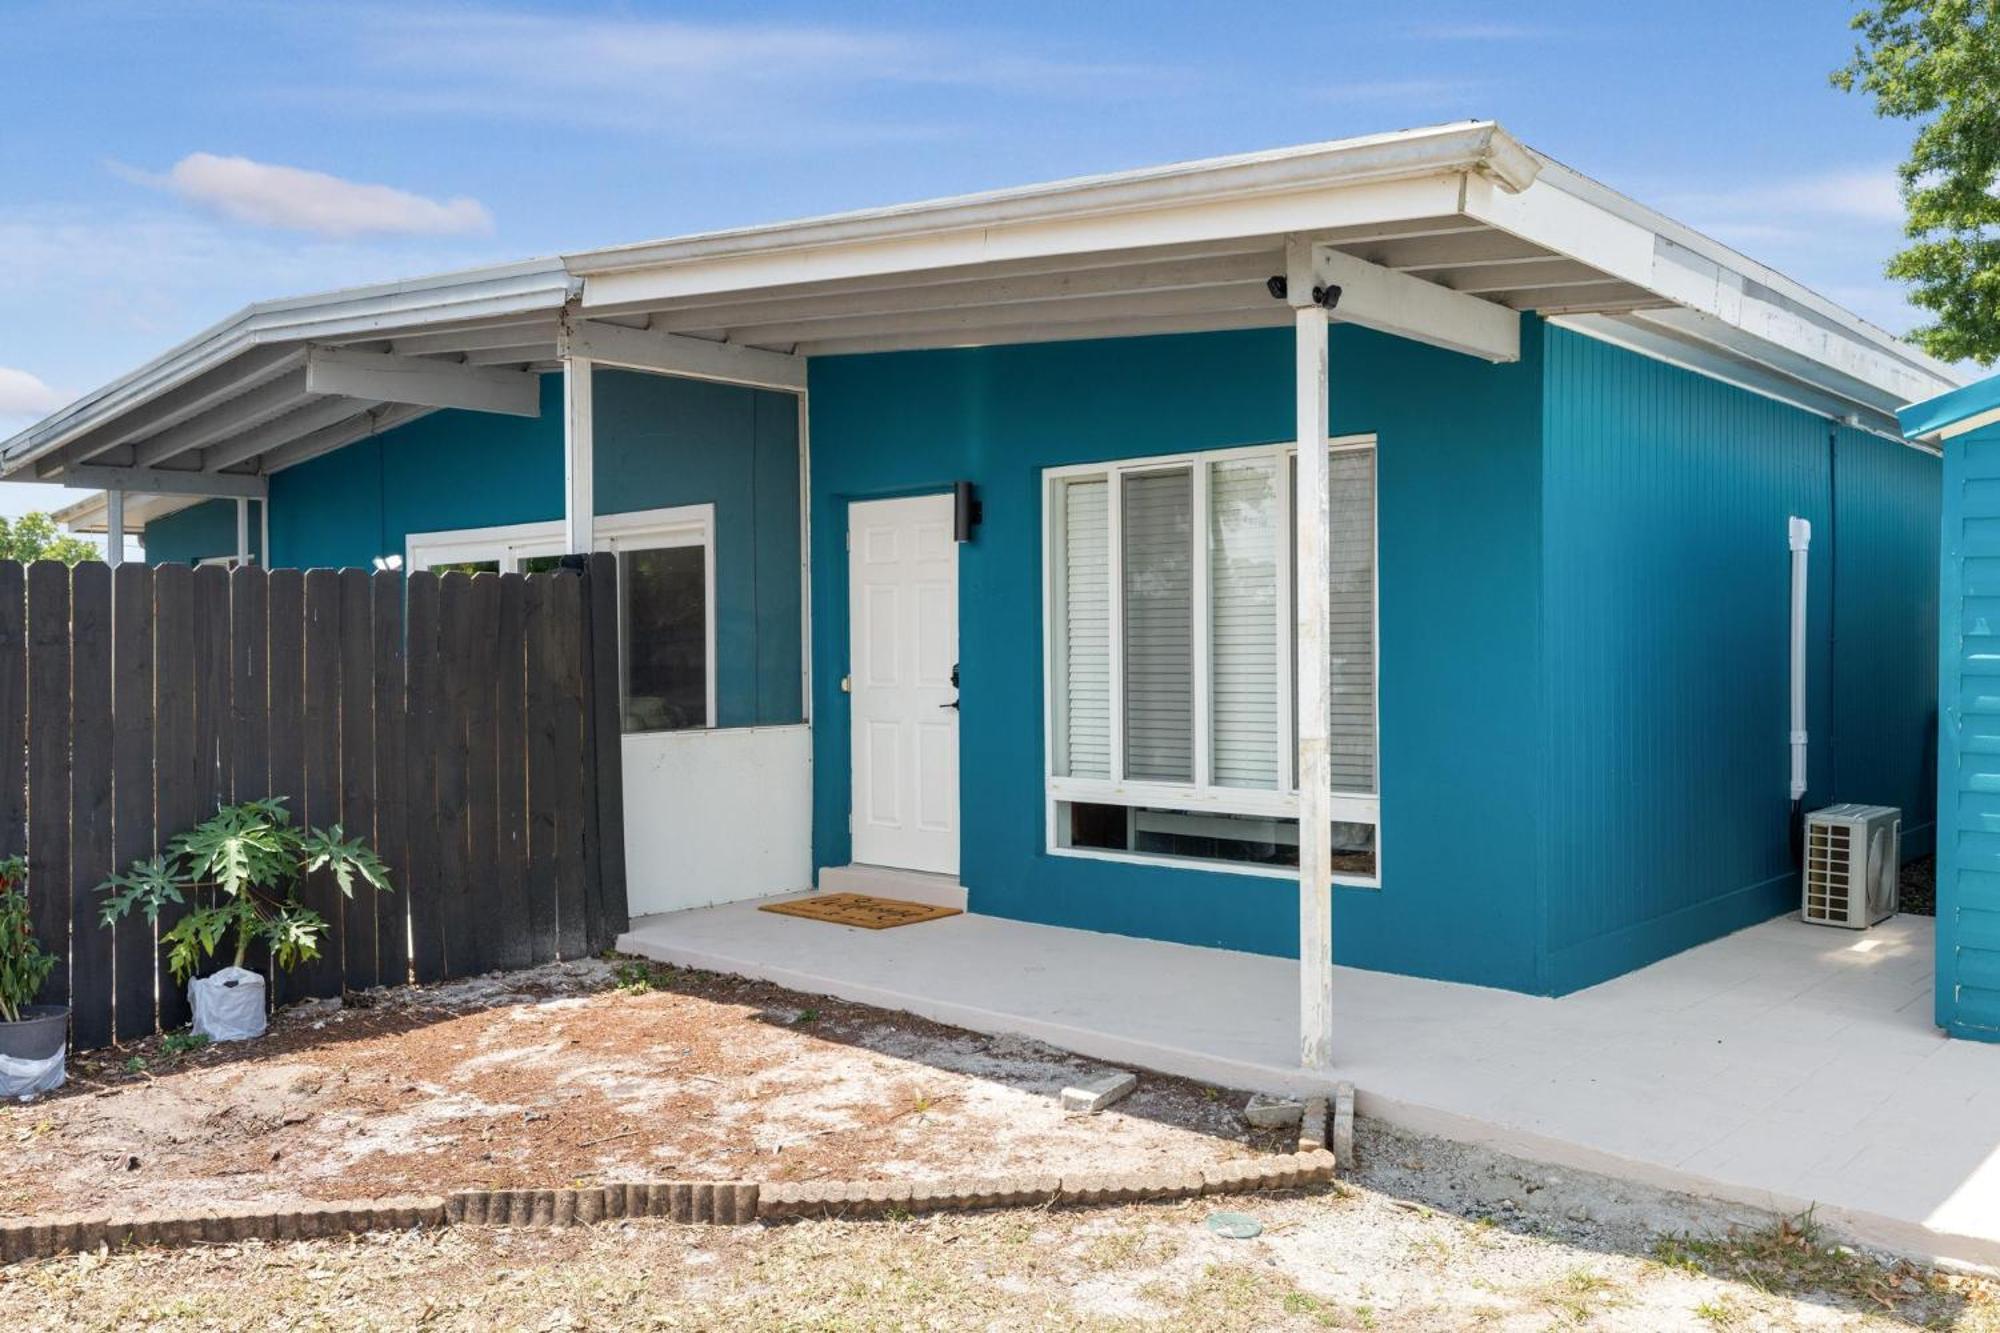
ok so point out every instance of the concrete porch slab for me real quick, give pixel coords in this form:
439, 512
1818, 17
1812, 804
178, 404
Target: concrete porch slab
1784, 1066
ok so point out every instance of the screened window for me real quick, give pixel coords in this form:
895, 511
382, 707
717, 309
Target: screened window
1171, 651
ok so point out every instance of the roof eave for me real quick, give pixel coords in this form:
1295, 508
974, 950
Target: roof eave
491, 292
1952, 413
1475, 146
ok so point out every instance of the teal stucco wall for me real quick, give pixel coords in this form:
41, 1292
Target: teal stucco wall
1968, 862
660, 442
1666, 601
1458, 498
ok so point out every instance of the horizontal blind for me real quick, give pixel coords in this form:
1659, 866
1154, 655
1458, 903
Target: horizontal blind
1243, 621
1158, 524
1084, 750
1351, 619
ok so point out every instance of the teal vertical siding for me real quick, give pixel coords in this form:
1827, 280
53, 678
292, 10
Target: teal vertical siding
200, 532
1968, 864
1459, 494
1666, 597
660, 442
1885, 615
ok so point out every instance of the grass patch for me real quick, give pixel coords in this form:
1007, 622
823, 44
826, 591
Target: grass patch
1793, 1257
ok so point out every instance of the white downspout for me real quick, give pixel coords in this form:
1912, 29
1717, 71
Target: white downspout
1801, 539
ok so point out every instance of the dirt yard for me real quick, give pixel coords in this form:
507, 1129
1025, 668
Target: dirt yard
576, 1073
1423, 1236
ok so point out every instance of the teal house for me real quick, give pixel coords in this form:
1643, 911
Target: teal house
1381, 550
1965, 424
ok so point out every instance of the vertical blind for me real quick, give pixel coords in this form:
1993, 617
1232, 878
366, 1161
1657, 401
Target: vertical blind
1084, 745
1351, 620
1244, 675
1158, 521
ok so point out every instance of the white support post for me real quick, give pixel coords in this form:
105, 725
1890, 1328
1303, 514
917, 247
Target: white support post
264, 532
242, 531
579, 494
114, 528
1310, 710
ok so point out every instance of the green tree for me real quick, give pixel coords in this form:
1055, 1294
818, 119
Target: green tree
1937, 62
33, 536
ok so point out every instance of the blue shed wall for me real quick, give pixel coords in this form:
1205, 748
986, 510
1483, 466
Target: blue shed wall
1459, 493
660, 442
1968, 862
1666, 601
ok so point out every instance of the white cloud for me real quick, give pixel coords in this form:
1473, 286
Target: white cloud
1860, 194
296, 199
1448, 91
761, 85
24, 396
1476, 32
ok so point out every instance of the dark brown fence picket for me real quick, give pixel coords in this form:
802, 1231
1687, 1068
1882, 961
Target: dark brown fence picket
132, 792
456, 723
175, 764
90, 798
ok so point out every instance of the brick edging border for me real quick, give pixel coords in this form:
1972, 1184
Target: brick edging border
727, 1203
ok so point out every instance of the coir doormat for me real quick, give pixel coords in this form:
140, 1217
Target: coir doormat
860, 909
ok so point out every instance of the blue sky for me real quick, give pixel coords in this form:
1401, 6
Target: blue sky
149, 149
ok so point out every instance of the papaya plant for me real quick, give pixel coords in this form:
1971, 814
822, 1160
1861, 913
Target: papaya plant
24, 963
253, 859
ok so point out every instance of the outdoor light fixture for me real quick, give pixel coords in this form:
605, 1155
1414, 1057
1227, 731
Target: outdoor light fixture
966, 511
385, 564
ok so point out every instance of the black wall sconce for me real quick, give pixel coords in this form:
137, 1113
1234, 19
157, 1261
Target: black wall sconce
966, 511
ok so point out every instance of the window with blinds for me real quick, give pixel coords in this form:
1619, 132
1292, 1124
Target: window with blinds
1171, 652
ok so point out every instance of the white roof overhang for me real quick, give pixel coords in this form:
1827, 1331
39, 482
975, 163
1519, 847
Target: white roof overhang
1438, 234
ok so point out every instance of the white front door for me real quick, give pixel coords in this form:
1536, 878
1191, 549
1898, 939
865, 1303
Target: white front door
903, 629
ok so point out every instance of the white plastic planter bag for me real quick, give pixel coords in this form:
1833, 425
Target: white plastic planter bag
228, 1006
26, 1078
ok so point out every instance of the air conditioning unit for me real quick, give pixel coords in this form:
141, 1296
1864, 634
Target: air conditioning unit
1853, 858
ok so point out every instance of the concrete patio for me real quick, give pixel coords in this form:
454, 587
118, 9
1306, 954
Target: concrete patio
1785, 1066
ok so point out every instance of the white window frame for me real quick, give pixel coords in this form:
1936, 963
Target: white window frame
646, 530
1200, 796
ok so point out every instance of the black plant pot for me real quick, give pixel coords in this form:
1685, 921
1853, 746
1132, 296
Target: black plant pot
42, 1031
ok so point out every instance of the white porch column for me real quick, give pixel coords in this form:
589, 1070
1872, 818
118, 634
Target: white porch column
114, 528
1310, 590
242, 531
579, 497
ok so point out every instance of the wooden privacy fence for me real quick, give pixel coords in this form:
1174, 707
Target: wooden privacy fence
468, 726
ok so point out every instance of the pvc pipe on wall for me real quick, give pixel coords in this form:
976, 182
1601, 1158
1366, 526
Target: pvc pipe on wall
1801, 538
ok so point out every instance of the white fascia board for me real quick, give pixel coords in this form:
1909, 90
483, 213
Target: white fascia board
384, 377
1718, 363
677, 354
1390, 302
481, 294
1227, 219
1569, 214
1443, 150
